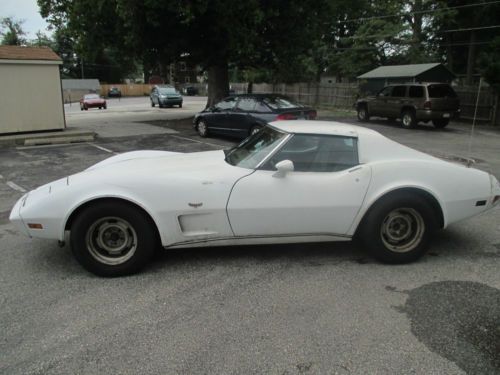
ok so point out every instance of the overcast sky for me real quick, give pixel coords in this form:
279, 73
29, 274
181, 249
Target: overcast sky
26, 10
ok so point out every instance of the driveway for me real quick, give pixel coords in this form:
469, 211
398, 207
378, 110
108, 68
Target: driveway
288, 309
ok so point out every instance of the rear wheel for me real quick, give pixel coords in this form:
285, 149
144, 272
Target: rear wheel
440, 123
202, 128
363, 114
113, 239
398, 228
408, 119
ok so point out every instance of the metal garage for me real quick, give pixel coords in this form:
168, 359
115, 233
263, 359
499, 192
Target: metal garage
30, 90
375, 80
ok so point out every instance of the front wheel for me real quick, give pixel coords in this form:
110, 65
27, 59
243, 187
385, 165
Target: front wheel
152, 103
180, 105
202, 128
363, 114
440, 123
398, 228
408, 119
113, 239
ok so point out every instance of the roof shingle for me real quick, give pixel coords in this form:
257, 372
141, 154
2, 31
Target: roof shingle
27, 53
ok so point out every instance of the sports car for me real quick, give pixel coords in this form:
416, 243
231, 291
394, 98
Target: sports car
293, 181
92, 101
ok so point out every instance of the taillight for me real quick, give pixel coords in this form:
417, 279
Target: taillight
312, 115
427, 105
286, 116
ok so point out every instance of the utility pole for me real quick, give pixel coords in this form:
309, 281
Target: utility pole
81, 65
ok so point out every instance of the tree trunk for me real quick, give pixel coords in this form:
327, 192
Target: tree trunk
250, 87
471, 58
218, 83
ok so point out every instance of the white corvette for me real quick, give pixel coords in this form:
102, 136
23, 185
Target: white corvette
294, 181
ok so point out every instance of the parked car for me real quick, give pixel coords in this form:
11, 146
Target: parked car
412, 102
243, 115
165, 96
92, 101
114, 92
190, 90
293, 181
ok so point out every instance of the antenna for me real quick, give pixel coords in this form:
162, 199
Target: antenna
471, 161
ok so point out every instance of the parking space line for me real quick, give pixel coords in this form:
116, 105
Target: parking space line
195, 140
15, 186
102, 148
49, 146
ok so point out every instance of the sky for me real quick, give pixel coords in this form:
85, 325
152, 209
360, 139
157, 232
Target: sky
26, 10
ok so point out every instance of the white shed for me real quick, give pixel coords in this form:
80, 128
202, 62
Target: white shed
30, 90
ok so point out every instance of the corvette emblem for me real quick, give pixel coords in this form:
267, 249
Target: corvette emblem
195, 205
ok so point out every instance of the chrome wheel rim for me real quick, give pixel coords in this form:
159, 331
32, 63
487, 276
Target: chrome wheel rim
202, 128
402, 230
111, 240
362, 113
407, 119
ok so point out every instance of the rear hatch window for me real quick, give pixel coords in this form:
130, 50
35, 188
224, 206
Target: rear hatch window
441, 91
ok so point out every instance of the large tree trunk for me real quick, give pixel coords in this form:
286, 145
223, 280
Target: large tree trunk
218, 83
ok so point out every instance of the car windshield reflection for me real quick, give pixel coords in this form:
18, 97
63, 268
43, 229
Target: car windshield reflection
254, 149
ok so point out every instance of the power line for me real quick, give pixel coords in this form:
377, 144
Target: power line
419, 12
470, 29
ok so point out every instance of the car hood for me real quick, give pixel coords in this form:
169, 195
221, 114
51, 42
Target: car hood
149, 166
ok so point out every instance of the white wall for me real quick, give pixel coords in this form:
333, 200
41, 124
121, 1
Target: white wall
30, 97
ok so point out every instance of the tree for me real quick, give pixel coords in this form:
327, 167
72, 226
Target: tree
12, 32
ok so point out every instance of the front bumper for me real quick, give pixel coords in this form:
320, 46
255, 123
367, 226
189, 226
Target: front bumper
16, 218
169, 101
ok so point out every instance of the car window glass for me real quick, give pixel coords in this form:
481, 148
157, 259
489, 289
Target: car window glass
262, 108
246, 104
92, 96
441, 91
386, 91
280, 102
416, 91
254, 149
166, 90
317, 153
227, 103
398, 91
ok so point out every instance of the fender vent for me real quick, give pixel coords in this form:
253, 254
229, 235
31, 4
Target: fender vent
480, 203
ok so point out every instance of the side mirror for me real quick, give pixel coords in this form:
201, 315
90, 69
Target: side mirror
283, 167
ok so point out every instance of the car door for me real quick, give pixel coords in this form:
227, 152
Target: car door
395, 101
240, 118
321, 196
378, 106
217, 117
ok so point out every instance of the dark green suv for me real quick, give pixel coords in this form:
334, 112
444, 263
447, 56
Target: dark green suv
412, 102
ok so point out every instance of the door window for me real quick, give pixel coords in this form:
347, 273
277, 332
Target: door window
226, 104
262, 108
399, 91
246, 104
317, 153
385, 92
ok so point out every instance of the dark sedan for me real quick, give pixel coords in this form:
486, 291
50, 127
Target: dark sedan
243, 115
114, 92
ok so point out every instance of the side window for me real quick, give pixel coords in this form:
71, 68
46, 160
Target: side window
227, 103
246, 104
399, 91
317, 153
416, 92
386, 91
262, 108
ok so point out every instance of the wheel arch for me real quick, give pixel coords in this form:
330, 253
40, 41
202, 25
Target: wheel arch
419, 191
408, 108
84, 204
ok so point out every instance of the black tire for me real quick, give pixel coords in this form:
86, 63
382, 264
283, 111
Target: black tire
152, 103
100, 107
254, 129
440, 123
105, 107
92, 231
363, 114
202, 128
381, 228
408, 119
180, 105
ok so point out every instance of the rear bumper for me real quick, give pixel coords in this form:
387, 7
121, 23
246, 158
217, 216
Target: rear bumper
426, 114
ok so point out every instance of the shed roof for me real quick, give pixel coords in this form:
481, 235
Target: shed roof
411, 70
28, 53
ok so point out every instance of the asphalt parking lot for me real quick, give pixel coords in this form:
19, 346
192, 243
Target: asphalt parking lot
288, 309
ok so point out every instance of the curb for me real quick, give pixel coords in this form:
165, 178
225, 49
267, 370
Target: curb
47, 138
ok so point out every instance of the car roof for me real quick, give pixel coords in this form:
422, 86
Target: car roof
322, 127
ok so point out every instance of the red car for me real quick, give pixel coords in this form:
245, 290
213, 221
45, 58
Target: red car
92, 101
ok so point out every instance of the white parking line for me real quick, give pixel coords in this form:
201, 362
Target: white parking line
102, 148
49, 146
15, 186
195, 140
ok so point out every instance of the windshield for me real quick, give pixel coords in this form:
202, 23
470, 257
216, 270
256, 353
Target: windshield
280, 102
254, 149
167, 90
92, 96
